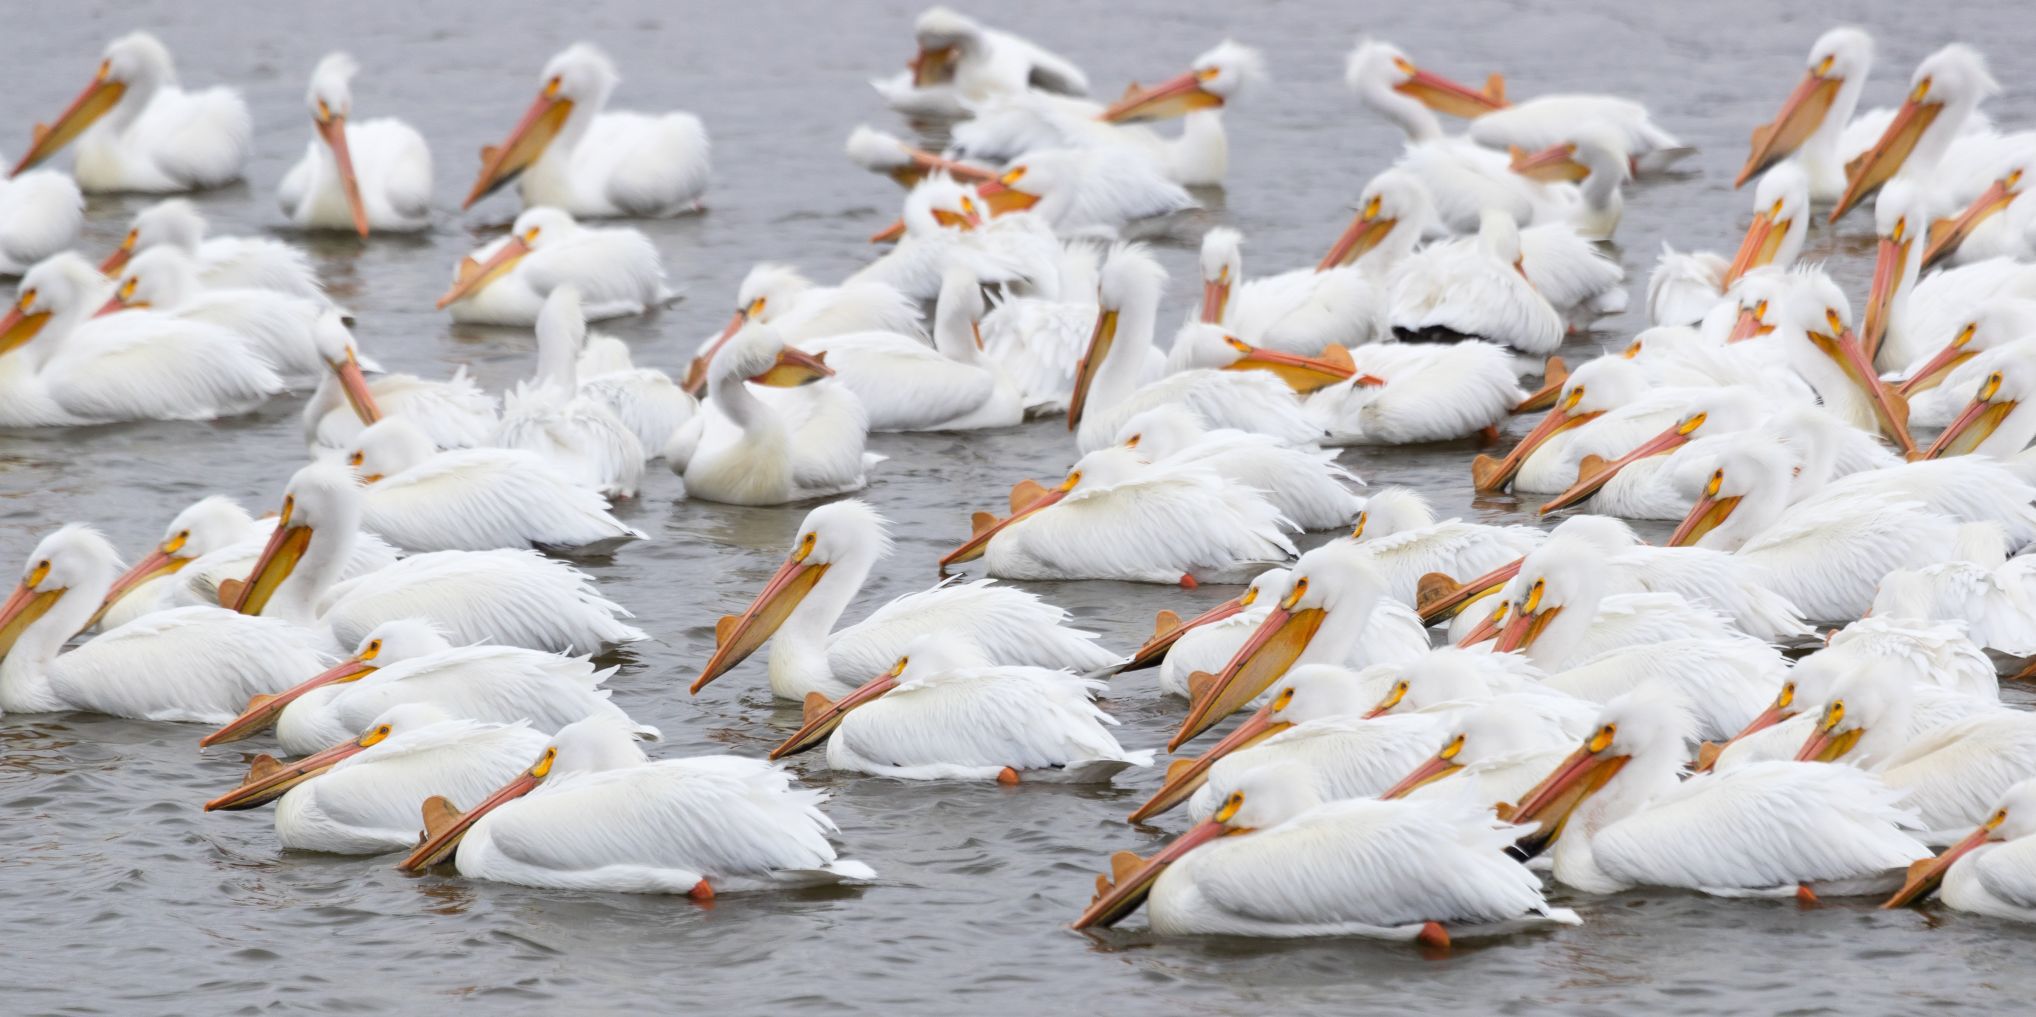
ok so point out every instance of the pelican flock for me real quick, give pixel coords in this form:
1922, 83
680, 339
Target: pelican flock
1725, 602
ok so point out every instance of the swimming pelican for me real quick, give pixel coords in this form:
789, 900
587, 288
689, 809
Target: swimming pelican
886, 153
1995, 224
1097, 190
571, 153
1595, 157
1685, 286
1298, 311
961, 64
1497, 749
1995, 600
60, 366
943, 223
905, 386
505, 281
778, 296
1392, 634
407, 660
224, 262
2000, 418
1815, 128
1609, 401
1908, 313
838, 545
1989, 871
1938, 385
41, 213
945, 712
278, 327
1619, 818
137, 131
1307, 486
475, 499
1814, 326
803, 444
370, 175
1399, 534
362, 796
592, 813
454, 413
1945, 90
553, 418
1275, 860
1421, 392
187, 664
1478, 289
1117, 516
515, 598
1562, 613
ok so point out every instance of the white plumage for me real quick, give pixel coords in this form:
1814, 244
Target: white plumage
1398, 532
1476, 288
223, 262
373, 174
1305, 485
41, 213
453, 413
961, 63
805, 443
905, 386
550, 416
505, 281
278, 328
1434, 392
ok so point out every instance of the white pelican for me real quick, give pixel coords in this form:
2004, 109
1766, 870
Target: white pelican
961, 64
1477, 288
646, 400
454, 413
362, 796
886, 153
1608, 402
570, 153
1814, 327
1995, 600
188, 664
370, 175
515, 598
41, 213
1815, 128
945, 712
1683, 287
1918, 142
1276, 860
905, 386
59, 365
1418, 392
553, 418
1496, 749
1595, 157
1937, 386
802, 444
1109, 388
1561, 611
1117, 516
1999, 419
1619, 818
475, 499
225, 262
137, 131
943, 223
1907, 313
1399, 533
406, 660
1096, 190
591, 813
1392, 634
1997, 223
505, 281
1297, 311
1306, 485
1660, 477
1991, 871
778, 296
278, 327
837, 546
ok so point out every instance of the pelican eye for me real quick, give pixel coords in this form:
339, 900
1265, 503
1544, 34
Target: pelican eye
37, 574
1775, 212
1901, 229
1250, 595
1824, 65
289, 506
968, 205
1208, 73
27, 300
1603, 739
1834, 715
2000, 816
374, 736
1532, 601
1300, 589
1717, 480
105, 69
324, 111
133, 236
1404, 65
1394, 695
1992, 386
127, 287
1132, 442
1965, 334
806, 545
1921, 91
1450, 750
1358, 530
1280, 701
1760, 310
1633, 349
1575, 396
177, 542
1787, 697
371, 651
1691, 423
1230, 807
530, 235
1371, 207
551, 88
356, 459
1237, 344
1072, 479
1017, 173
543, 764
899, 667
1832, 318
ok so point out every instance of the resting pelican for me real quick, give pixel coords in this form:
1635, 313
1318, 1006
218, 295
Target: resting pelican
223, 262
1117, 516
137, 131
646, 400
199, 662
1619, 818
1937, 386
591, 813
362, 796
1420, 392
837, 546
1109, 387
1995, 600
802, 444
2000, 418
41, 213
1275, 860
407, 660
1685, 286
1907, 313
943, 223
515, 598
904, 386
60, 366
1814, 326
570, 153
1306, 485
1991, 871
1097, 190
1997, 223
1815, 129
475, 499
1393, 634
1593, 155
778, 296
1607, 402
1297, 311
277, 327
1918, 143
454, 413
1477, 289
505, 282
370, 175
1498, 748
1561, 613
553, 418
961, 64
1399, 534
886, 153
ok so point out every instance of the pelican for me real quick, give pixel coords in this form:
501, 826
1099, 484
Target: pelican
454, 413
1995, 224
945, 712
570, 153
475, 499
894, 157
1306, 486
837, 546
778, 296
1815, 128
1117, 516
185, 664
1936, 387
1400, 535
592, 813
224, 262
803, 444
1275, 860
1097, 190
1393, 634
1498, 749
905, 386
370, 175
1684, 286
943, 223
1477, 289
572, 430
1607, 402
60, 366
1996, 601
137, 131
1108, 389
1038, 339
1423, 392
1988, 872
407, 660
277, 327
505, 281
1297, 311
1908, 313
1921, 143
961, 64
1595, 157
361, 796
516, 598
1815, 327
41, 213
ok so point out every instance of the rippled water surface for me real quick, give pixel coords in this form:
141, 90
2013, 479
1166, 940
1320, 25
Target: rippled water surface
121, 897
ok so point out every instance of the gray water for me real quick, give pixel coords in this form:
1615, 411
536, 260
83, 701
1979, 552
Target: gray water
122, 897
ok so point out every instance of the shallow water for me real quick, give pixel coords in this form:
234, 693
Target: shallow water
124, 898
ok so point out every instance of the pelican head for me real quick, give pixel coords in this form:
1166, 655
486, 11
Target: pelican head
927, 659
1098, 471
330, 98
174, 222
1645, 727
1131, 280
1781, 219
533, 230
1161, 431
1450, 675
1214, 78
1387, 80
1752, 304
1947, 86
163, 278
1392, 510
390, 643
1563, 573
136, 62
1593, 151
758, 353
1591, 391
1864, 718
1750, 481
1817, 316
1487, 731
61, 290
1027, 182
579, 76
1901, 221
940, 202
387, 448
1837, 65
2013, 818
1393, 211
321, 497
847, 533
1222, 269
267, 782
1308, 692
65, 580
1993, 422
945, 38
1805, 688
207, 525
1711, 412
2015, 172
335, 345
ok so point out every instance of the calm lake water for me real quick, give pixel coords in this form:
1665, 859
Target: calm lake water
122, 897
